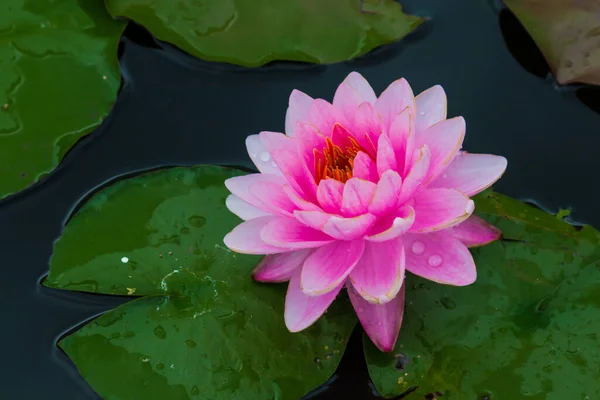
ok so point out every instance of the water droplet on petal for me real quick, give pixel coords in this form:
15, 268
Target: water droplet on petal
360, 310
418, 247
274, 164
422, 113
264, 156
252, 154
435, 260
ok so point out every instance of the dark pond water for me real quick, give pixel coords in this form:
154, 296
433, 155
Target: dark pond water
176, 110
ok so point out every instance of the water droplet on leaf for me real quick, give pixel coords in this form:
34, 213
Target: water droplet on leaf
160, 332
448, 303
197, 221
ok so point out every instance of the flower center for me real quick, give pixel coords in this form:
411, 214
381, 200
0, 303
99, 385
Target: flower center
336, 162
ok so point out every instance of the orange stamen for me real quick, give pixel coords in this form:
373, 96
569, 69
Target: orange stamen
334, 162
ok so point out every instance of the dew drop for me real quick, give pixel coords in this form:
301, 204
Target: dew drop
124, 260
159, 332
252, 154
197, 221
418, 247
274, 164
435, 260
264, 156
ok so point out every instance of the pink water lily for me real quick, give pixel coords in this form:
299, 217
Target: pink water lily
356, 192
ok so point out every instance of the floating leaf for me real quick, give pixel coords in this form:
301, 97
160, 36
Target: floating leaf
567, 32
59, 76
528, 328
205, 329
253, 33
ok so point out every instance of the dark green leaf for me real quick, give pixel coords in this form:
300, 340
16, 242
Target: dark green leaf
526, 329
253, 33
567, 33
59, 77
206, 329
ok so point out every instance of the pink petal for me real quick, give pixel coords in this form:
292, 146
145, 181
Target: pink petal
347, 100
272, 198
349, 228
437, 209
395, 98
301, 311
387, 191
402, 138
368, 126
337, 227
381, 322
379, 274
284, 152
242, 209
246, 238
357, 82
299, 104
299, 201
260, 156
475, 232
329, 195
240, 185
308, 138
356, 197
431, 107
328, 266
323, 115
417, 174
292, 234
392, 226
279, 267
313, 219
439, 257
364, 167
471, 173
386, 157
444, 140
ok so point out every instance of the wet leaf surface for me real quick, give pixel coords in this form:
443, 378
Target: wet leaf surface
204, 329
526, 329
253, 33
567, 33
59, 77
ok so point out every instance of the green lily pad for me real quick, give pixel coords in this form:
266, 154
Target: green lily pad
204, 329
528, 328
59, 76
253, 33
567, 33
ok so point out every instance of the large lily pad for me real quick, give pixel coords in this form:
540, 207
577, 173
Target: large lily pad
253, 33
59, 76
567, 33
205, 329
526, 329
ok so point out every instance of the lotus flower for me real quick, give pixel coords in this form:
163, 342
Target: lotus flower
355, 193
